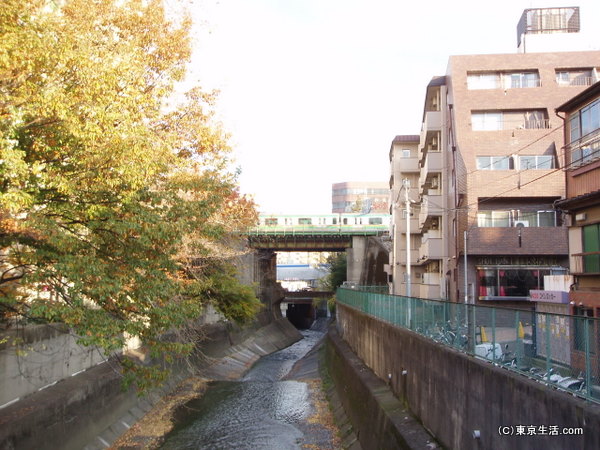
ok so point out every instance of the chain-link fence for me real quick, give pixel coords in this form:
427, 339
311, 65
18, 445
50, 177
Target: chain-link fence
559, 350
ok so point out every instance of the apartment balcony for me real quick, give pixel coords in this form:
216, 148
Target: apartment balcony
428, 291
433, 163
431, 248
432, 206
430, 129
401, 257
585, 150
433, 121
403, 165
587, 263
548, 20
414, 225
517, 241
577, 81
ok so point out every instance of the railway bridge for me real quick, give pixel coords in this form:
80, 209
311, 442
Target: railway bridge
364, 238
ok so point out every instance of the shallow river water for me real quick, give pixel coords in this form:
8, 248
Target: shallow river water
261, 411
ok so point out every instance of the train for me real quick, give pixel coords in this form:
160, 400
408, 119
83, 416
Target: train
324, 222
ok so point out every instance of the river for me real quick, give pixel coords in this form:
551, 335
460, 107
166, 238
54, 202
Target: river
278, 404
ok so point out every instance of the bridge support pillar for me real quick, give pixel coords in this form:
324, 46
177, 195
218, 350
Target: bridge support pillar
271, 293
355, 258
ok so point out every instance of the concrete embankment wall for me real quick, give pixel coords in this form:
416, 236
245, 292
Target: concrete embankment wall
454, 394
91, 409
379, 420
36, 356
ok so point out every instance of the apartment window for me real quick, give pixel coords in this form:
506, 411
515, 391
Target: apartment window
405, 153
546, 218
591, 244
586, 154
516, 217
523, 80
509, 120
503, 80
536, 162
590, 118
494, 163
486, 121
483, 81
493, 219
583, 124
575, 128
578, 77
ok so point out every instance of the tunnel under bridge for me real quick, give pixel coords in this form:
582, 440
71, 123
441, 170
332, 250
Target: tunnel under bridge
367, 248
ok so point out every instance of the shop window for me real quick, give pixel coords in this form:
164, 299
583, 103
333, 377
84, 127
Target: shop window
509, 283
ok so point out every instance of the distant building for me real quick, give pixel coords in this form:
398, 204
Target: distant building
360, 196
295, 277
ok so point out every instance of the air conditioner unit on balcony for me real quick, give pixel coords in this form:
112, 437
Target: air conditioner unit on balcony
521, 223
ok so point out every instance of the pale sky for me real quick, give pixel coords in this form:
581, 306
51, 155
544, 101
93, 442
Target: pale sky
314, 91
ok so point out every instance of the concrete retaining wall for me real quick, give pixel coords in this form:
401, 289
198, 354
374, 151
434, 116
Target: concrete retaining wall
38, 355
379, 420
91, 409
454, 394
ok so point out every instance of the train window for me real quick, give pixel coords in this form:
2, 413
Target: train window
375, 221
271, 222
334, 221
345, 221
305, 221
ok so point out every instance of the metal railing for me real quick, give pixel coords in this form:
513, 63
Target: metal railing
585, 263
559, 350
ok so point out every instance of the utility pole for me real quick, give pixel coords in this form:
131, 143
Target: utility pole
465, 269
406, 183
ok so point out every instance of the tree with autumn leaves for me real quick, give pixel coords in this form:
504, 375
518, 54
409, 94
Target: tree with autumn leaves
117, 204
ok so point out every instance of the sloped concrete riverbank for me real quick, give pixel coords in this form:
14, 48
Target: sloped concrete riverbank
91, 410
280, 403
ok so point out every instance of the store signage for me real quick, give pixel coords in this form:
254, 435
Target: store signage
549, 296
516, 261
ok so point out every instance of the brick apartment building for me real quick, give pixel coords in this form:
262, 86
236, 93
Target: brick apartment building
490, 168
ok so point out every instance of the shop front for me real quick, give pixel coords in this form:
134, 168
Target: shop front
510, 278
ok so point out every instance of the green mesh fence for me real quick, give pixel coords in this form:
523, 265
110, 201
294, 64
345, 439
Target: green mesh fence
559, 350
